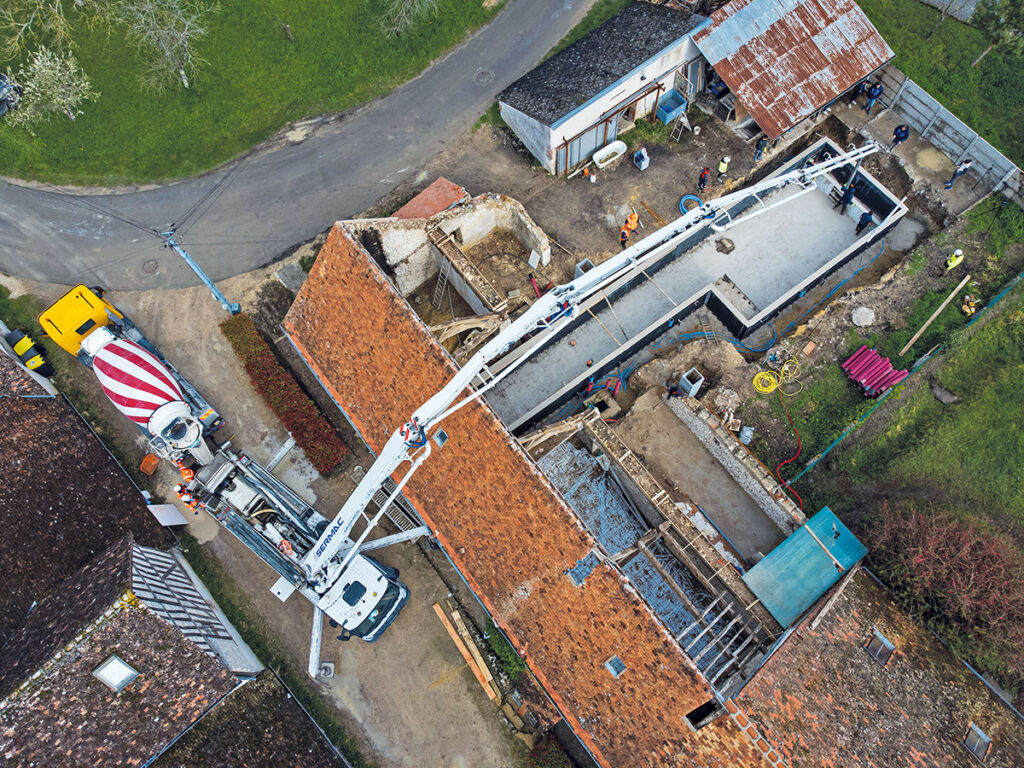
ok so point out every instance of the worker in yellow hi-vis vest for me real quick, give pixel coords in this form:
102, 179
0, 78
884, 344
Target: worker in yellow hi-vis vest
954, 259
723, 167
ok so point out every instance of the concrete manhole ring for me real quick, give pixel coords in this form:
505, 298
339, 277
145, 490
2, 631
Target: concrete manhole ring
484, 76
149, 267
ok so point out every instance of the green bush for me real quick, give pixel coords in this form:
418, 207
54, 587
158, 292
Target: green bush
1002, 219
511, 663
300, 416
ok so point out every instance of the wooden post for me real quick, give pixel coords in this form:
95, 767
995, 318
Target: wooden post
935, 314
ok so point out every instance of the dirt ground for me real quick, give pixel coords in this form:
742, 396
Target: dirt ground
409, 699
680, 462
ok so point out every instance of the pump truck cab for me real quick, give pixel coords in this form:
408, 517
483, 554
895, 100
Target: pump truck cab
133, 374
281, 527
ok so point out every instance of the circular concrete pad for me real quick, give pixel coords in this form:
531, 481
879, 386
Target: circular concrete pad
862, 316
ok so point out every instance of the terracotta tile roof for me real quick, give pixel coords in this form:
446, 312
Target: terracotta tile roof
67, 717
825, 702
439, 196
257, 726
62, 501
785, 59
507, 530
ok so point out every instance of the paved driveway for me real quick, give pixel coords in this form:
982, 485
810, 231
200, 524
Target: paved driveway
286, 195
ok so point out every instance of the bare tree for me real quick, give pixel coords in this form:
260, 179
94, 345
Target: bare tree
22, 21
166, 31
947, 9
53, 83
400, 15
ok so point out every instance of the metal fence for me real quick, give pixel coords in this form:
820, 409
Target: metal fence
951, 135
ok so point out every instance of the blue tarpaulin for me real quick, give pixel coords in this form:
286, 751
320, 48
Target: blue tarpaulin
799, 570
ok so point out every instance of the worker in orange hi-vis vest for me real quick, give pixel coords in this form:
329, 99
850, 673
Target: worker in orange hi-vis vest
187, 474
188, 499
624, 234
632, 222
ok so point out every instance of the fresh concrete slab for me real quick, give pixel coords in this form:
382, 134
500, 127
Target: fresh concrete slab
775, 252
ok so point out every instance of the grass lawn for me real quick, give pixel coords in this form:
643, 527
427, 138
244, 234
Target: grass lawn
825, 402
989, 97
255, 81
973, 450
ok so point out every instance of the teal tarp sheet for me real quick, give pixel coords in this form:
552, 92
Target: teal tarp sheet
798, 571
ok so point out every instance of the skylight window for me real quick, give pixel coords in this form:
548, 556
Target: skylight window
115, 672
615, 665
977, 742
880, 648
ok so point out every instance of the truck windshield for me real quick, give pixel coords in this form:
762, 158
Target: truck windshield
379, 611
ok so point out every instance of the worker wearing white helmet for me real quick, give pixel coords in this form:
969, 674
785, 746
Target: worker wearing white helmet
723, 167
954, 259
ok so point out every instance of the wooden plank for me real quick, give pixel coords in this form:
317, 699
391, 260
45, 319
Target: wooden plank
935, 314
465, 652
657, 218
463, 630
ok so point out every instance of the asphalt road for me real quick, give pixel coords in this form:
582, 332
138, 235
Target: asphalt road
282, 196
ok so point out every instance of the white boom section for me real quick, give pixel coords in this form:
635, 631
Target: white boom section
545, 317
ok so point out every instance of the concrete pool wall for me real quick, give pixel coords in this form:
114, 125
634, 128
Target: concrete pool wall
786, 243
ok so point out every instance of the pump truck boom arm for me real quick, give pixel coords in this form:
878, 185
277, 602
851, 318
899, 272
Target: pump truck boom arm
545, 317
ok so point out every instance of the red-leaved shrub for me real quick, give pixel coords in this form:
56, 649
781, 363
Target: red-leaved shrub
965, 580
300, 416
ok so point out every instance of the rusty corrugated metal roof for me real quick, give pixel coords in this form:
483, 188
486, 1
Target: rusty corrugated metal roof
784, 59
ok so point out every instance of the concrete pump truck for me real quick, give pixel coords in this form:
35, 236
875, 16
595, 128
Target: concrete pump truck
322, 560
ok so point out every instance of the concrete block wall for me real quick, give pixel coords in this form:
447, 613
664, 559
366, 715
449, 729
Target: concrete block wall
949, 134
752, 476
483, 214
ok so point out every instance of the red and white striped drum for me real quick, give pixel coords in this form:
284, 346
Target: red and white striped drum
136, 382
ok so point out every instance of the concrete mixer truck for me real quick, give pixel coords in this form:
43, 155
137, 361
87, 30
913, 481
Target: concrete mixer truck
133, 374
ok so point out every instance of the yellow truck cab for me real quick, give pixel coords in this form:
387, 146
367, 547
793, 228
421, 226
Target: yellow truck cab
75, 315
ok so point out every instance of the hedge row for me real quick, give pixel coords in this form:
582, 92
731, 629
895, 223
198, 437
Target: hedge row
300, 416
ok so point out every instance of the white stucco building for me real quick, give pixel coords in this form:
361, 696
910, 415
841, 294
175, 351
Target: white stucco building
584, 97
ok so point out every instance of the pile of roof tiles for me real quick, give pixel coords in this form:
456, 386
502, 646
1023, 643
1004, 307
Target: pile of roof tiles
871, 372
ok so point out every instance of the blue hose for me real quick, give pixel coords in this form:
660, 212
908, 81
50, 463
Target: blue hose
685, 199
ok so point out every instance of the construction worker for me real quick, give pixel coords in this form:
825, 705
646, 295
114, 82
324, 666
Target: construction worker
723, 167
954, 259
864, 222
874, 94
190, 501
702, 179
187, 474
844, 200
901, 134
970, 305
857, 91
759, 148
961, 169
624, 234
632, 222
